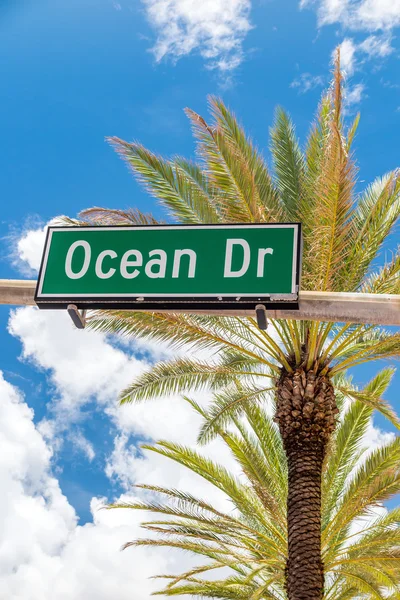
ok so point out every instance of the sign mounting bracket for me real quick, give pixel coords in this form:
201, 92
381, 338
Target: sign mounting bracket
261, 315
78, 317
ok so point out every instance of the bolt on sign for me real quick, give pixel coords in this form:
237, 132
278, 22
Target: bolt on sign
171, 266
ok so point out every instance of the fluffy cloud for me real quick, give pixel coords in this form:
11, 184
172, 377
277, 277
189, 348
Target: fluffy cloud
307, 82
369, 15
329, 11
377, 46
353, 55
44, 553
354, 95
36, 517
375, 14
213, 28
30, 247
82, 364
42, 548
347, 56
378, 16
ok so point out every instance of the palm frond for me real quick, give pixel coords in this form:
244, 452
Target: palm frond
288, 163
110, 216
168, 182
386, 280
270, 208
376, 480
180, 375
228, 404
378, 404
377, 211
346, 445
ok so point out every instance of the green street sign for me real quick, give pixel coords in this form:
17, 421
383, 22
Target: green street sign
170, 266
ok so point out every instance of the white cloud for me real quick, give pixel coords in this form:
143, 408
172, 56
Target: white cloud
375, 437
30, 247
369, 15
354, 55
329, 11
377, 46
36, 517
306, 82
362, 16
83, 445
354, 95
347, 56
129, 465
376, 14
82, 364
213, 28
44, 553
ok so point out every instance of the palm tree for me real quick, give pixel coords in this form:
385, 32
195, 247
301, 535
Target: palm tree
343, 234
360, 544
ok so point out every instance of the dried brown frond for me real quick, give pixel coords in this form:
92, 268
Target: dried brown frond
109, 216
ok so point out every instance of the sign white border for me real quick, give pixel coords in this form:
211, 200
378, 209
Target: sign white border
146, 295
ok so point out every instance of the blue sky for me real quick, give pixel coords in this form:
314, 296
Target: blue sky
74, 72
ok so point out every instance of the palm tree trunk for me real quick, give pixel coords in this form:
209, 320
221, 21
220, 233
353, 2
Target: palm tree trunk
304, 571
306, 411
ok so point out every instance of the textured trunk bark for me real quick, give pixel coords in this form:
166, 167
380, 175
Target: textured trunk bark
305, 572
306, 414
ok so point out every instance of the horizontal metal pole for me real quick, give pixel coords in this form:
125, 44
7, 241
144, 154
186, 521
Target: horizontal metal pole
380, 309
17, 292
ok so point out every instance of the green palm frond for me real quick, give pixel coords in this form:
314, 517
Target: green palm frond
180, 375
239, 200
378, 404
288, 163
230, 403
346, 446
373, 345
333, 208
377, 211
313, 156
182, 195
185, 330
267, 195
204, 197
352, 131
386, 280
374, 482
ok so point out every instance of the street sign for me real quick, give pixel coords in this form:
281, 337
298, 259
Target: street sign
171, 266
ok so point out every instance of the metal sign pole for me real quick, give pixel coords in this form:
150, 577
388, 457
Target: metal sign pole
379, 309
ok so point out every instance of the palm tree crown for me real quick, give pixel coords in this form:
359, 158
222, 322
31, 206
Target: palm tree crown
343, 233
